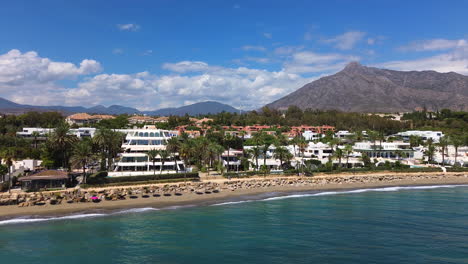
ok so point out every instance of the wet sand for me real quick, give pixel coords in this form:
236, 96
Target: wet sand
10, 211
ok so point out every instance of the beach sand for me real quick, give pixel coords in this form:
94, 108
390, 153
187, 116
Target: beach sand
10, 211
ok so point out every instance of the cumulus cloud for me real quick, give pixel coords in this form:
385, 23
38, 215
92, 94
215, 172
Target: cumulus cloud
241, 87
128, 27
18, 68
454, 57
347, 40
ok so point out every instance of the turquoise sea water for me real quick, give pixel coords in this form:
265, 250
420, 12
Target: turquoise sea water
390, 225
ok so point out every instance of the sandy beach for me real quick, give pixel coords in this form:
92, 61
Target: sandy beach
292, 184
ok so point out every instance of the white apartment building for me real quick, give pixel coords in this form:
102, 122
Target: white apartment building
311, 136
134, 160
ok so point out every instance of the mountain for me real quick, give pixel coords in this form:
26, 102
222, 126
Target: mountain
209, 107
10, 107
358, 88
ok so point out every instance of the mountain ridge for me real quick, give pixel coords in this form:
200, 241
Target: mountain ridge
200, 108
358, 88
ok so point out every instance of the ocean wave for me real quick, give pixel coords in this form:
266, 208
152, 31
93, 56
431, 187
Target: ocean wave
382, 189
33, 220
74, 216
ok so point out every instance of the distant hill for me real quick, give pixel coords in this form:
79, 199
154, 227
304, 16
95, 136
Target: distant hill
358, 88
209, 107
10, 107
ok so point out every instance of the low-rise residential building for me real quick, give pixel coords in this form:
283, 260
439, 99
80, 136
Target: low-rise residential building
425, 135
141, 120
81, 119
391, 150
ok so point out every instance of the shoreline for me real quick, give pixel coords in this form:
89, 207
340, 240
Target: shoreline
255, 187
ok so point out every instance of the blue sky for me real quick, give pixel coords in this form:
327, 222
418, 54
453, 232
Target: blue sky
152, 54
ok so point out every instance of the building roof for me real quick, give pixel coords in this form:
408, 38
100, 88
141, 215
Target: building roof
80, 116
103, 117
46, 175
162, 119
141, 118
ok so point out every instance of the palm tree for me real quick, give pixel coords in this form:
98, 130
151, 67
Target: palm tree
35, 135
173, 146
373, 136
109, 142
227, 140
443, 143
62, 141
185, 153
430, 150
163, 154
281, 153
255, 151
456, 141
348, 149
339, 154
265, 148
153, 157
82, 156
302, 144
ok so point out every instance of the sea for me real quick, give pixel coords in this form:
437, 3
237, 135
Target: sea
418, 224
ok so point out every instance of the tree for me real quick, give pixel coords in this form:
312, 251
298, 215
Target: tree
173, 146
430, 150
3, 171
227, 141
62, 141
109, 143
348, 150
456, 141
255, 152
163, 154
443, 144
302, 144
282, 154
82, 156
185, 153
35, 135
153, 157
339, 155
373, 136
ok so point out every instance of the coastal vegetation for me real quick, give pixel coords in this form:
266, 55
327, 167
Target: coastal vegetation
61, 149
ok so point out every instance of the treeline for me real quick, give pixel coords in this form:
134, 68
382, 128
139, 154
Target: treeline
448, 121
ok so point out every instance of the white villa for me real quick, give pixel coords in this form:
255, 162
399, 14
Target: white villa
391, 150
425, 135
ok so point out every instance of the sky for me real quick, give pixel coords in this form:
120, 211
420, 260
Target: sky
169, 53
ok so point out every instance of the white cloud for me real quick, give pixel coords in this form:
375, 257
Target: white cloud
117, 51
240, 87
371, 41
347, 40
288, 50
147, 52
268, 35
253, 48
186, 66
128, 27
435, 45
18, 68
311, 62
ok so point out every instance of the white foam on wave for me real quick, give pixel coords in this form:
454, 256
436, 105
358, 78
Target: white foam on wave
33, 220
236, 202
383, 189
135, 210
75, 216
